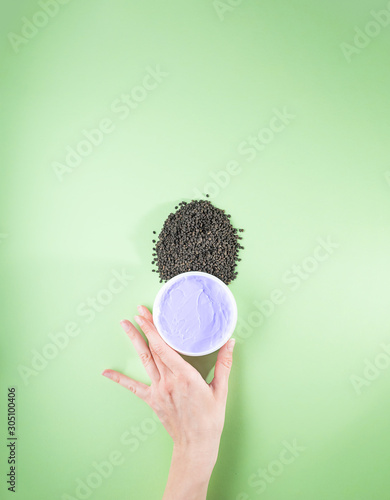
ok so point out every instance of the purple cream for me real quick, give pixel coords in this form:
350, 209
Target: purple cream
195, 313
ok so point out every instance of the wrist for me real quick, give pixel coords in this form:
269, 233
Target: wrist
199, 456
190, 471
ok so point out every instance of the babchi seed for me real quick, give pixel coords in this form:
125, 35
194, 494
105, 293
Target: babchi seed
197, 237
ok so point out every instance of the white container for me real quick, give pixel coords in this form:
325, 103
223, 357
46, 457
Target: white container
229, 298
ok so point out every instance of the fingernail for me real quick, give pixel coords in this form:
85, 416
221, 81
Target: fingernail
230, 345
125, 325
139, 320
139, 309
106, 374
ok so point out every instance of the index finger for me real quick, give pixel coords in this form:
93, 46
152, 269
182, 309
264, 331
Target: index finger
168, 356
142, 350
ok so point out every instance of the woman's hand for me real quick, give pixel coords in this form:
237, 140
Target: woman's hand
191, 410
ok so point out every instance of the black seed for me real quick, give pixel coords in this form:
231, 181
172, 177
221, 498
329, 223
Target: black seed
198, 237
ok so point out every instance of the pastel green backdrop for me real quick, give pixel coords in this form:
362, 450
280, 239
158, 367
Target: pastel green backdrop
311, 370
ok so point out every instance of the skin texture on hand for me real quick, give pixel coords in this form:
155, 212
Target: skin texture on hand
192, 411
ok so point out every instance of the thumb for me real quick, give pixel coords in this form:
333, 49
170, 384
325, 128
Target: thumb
222, 369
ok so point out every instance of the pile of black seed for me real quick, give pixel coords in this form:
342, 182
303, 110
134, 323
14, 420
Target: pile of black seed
197, 237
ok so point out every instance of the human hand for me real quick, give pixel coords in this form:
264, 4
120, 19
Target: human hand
191, 410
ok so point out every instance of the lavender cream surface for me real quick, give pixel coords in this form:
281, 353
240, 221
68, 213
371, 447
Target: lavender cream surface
195, 313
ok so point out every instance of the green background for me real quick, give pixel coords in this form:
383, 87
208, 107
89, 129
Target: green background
323, 176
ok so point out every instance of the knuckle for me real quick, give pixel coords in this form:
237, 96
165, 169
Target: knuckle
167, 386
227, 362
186, 382
158, 349
116, 378
145, 358
132, 388
132, 334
